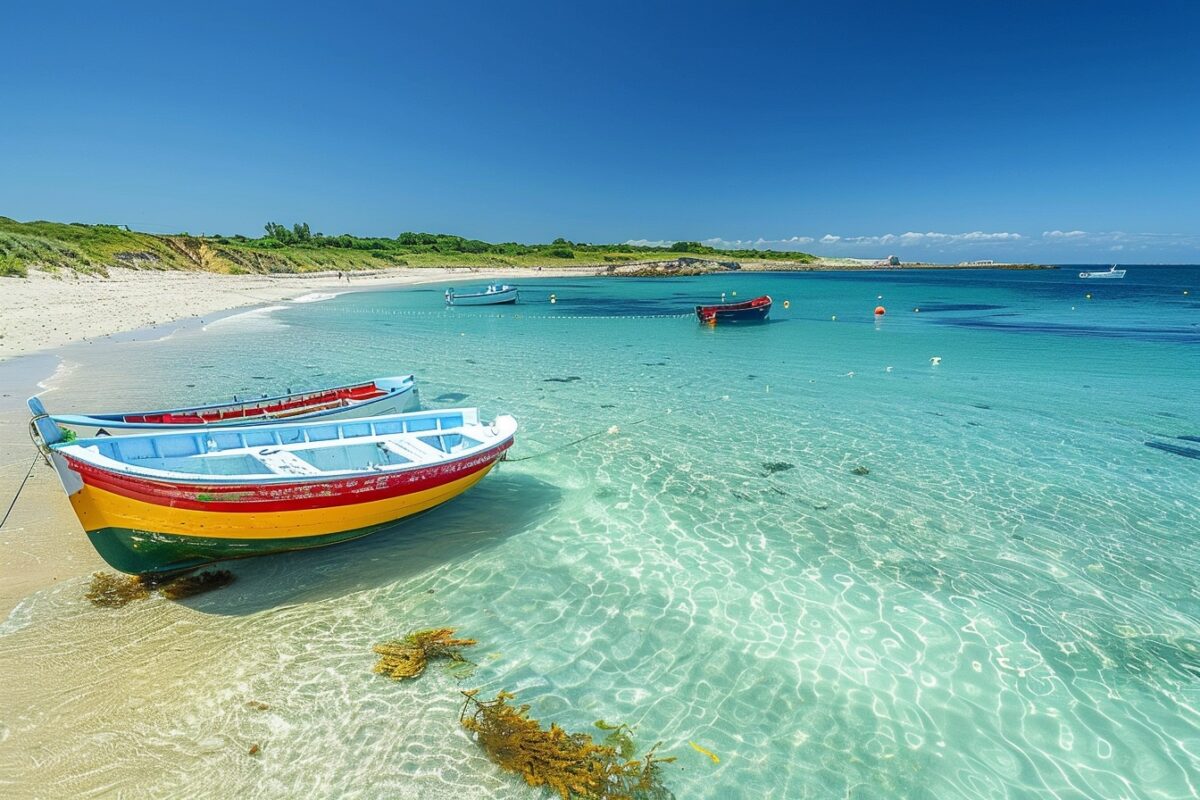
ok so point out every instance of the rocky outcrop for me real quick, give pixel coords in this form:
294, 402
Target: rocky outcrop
678, 267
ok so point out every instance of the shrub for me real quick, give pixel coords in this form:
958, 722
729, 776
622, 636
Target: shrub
11, 267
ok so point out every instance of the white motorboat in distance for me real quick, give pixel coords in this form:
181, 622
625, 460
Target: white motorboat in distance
493, 295
1111, 272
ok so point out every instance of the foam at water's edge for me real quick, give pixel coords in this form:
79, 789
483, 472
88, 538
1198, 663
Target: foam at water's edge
315, 297
242, 315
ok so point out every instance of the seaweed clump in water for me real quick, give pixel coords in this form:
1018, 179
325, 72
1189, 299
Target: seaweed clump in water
110, 590
408, 657
191, 585
569, 764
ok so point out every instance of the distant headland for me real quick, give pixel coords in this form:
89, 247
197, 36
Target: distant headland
95, 249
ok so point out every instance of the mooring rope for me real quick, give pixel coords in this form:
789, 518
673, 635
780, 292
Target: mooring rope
13, 504
572, 443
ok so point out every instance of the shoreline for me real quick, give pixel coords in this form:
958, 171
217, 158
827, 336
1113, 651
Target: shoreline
45, 311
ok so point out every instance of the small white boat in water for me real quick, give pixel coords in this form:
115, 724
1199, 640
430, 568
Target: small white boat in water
1111, 272
494, 295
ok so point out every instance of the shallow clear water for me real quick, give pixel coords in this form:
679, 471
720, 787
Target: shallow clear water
1004, 606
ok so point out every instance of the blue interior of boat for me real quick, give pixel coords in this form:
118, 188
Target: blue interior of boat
201, 451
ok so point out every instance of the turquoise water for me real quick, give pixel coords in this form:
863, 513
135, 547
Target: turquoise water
1005, 605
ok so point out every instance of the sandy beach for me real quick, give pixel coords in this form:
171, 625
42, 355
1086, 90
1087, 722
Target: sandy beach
47, 310
40, 543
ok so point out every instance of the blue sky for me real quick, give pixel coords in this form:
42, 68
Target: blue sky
1044, 130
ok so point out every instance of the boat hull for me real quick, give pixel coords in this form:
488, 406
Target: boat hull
140, 552
145, 526
756, 310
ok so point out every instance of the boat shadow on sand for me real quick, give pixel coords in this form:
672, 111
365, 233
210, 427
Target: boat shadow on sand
502, 506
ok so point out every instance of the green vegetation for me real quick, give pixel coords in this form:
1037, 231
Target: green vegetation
93, 249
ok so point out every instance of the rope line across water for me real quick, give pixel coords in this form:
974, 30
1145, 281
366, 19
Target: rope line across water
571, 443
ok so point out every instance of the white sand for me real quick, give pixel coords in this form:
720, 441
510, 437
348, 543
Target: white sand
45, 311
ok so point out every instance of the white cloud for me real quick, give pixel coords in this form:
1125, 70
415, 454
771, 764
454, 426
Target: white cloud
912, 238
961, 245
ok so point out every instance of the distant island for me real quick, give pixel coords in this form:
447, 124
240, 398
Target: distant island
283, 250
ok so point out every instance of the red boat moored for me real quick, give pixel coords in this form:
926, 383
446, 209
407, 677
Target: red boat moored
755, 310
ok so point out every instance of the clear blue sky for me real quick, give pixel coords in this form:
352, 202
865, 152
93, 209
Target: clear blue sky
1043, 130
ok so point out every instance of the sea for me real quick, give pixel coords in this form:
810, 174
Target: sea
949, 550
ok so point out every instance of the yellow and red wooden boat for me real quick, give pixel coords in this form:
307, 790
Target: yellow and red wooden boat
164, 502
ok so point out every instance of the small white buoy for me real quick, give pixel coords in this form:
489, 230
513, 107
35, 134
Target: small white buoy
935, 360
735, 294
834, 317
887, 369
724, 397
849, 375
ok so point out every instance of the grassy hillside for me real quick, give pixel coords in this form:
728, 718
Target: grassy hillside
94, 249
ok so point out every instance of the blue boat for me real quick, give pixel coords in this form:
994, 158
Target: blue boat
493, 295
381, 396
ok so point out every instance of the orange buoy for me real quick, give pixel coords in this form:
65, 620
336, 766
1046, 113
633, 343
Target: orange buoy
880, 311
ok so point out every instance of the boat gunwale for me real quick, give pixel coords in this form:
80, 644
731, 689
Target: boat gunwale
118, 418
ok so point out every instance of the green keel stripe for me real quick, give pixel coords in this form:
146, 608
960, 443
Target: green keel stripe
141, 552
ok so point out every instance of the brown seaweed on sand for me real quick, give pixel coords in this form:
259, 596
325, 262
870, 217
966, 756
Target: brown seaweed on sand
407, 657
569, 764
110, 590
